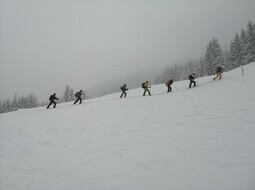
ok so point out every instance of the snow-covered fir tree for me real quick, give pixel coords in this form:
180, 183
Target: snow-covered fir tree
242, 46
14, 103
22, 102
235, 58
226, 55
209, 59
32, 101
188, 69
1, 107
250, 44
6, 106
202, 68
72, 94
213, 56
166, 75
217, 58
68, 94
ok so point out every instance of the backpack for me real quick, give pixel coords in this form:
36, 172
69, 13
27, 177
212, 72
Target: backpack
76, 94
219, 70
190, 77
168, 83
51, 98
143, 85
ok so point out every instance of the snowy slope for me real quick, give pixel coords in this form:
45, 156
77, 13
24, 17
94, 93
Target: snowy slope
201, 138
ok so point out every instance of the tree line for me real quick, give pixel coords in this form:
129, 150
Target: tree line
240, 52
31, 101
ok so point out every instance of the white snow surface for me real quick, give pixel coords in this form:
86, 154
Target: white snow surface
190, 139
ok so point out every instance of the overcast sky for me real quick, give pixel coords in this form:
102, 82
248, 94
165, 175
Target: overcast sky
47, 44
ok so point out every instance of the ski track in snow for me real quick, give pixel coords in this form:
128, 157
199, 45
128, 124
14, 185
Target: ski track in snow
199, 138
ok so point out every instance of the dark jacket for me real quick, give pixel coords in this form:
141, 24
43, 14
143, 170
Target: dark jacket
124, 88
79, 94
53, 97
192, 77
219, 70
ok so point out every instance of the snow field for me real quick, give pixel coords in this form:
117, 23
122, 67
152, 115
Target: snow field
199, 138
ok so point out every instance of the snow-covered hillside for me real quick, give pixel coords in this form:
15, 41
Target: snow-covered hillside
201, 138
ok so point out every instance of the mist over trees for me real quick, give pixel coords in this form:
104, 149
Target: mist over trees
29, 101
68, 95
240, 52
132, 81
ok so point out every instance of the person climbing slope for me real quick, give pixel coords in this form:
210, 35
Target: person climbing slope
168, 84
123, 90
146, 87
52, 99
218, 73
192, 80
78, 95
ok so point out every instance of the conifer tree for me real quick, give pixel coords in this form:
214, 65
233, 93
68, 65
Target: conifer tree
14, 103
242, 46
235, 53
213, 56
31, 101
72, 94
208, 59
1, 107
6, 106
68, 94
202, 69
250, 44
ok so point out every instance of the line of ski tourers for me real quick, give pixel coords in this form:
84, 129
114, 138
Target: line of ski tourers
145, 85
